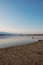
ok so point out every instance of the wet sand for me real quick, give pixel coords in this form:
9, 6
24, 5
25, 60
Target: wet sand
30, 54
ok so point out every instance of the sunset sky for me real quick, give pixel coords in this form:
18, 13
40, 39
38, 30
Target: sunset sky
21, 16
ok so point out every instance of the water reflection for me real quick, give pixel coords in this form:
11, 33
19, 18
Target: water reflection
18, 40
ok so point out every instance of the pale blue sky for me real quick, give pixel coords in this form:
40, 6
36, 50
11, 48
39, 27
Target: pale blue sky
21, 16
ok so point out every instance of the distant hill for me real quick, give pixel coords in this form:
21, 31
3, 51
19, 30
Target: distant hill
6, 34
3, 33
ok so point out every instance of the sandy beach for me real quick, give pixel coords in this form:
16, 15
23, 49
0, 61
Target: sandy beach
30, 54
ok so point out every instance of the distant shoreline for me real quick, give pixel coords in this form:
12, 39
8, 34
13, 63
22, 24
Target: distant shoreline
10, 34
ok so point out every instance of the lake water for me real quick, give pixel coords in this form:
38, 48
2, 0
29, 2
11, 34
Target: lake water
17, 40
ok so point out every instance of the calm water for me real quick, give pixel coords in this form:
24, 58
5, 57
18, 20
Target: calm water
17, 40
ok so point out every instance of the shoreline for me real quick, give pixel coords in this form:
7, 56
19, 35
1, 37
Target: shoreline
29, 54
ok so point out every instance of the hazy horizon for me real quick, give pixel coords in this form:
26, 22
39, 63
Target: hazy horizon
21, 16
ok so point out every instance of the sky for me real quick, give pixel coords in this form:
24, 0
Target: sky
21, 16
